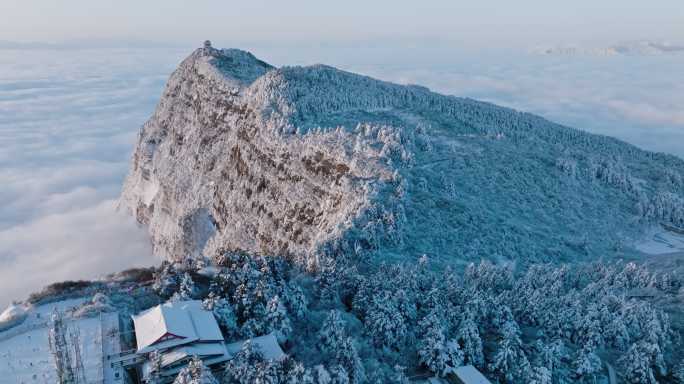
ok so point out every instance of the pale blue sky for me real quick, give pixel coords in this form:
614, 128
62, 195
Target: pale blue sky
495, 23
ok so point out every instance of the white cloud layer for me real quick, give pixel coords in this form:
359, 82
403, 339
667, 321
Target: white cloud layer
69, 118
68, 121
76, 244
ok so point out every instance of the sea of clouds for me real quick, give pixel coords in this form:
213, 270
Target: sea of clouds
69, 119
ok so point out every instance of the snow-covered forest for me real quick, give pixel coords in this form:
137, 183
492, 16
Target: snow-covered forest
542, 324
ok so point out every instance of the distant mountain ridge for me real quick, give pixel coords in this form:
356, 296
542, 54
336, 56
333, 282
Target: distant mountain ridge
633, 48
312, 162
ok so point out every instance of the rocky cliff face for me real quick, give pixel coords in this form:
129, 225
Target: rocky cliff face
215, 167
311, 161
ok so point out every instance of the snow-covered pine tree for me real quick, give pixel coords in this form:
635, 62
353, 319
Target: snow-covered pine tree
244, 367
195, 373
253, 327
551, 355
209, 302
435, 352
587, 364
296, 301
291, 371
165, 280
277, 319
638, 365
186, 290
387, 318
328, 283
540, 375
332, 332
225, 316
339, 375
588, 328
510, 360
470, 342
347, 356
615, 331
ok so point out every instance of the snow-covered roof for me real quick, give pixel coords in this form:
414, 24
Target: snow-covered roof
201, 350
468, 374
214, 353
267, 345
181, 322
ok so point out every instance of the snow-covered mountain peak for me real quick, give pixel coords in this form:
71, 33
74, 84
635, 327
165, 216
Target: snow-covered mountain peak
314, 161
233, 66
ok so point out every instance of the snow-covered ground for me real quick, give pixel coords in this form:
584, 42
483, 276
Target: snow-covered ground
25, 353
660, 241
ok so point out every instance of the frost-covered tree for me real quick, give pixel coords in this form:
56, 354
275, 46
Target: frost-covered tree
665, 206
510, 360
195, 373
291, 371
438, 354
332, 332
339, 375
296, 301
551, 355
223, 312
540, 375
501, 317
587, 364
638, 364
245, 366
253, 284
252, 327
388, 318
470, 342
347, 356
165, 280
616, 333
186, 289
277, 319
328, 282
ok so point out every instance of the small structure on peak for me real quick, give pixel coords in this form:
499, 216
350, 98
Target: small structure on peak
207, 44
